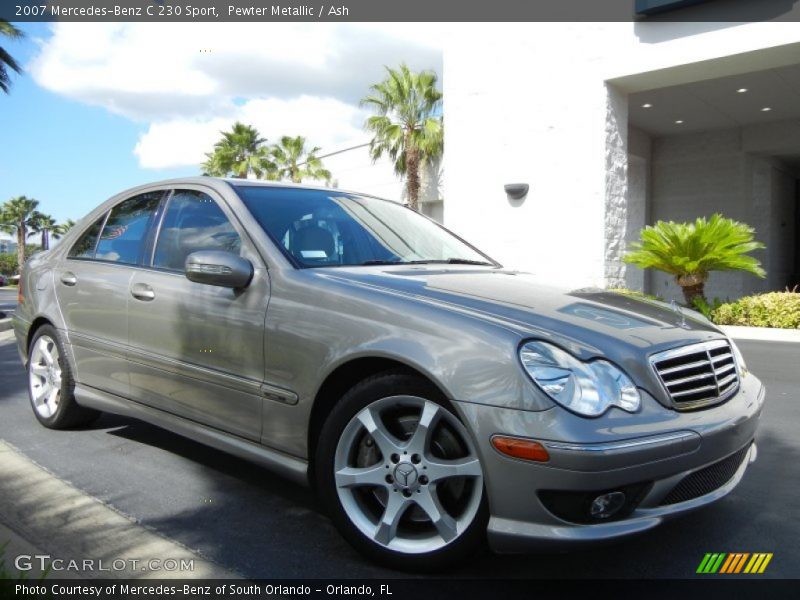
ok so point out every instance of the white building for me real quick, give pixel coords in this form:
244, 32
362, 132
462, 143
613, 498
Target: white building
615, 126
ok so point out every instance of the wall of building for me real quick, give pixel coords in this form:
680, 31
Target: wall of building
545, 104
701, 174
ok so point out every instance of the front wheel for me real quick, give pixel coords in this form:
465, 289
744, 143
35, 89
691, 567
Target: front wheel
400, 476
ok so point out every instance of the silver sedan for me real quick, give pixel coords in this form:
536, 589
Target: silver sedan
433, 399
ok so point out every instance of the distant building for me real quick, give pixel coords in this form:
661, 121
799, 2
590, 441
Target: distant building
7, 246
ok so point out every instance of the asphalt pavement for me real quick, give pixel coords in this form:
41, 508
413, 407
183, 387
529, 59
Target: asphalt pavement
259, 525
8, 300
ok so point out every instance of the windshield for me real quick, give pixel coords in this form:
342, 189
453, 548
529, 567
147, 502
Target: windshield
324, 228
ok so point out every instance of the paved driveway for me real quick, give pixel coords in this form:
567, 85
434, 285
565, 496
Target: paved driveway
253, 522
8, 299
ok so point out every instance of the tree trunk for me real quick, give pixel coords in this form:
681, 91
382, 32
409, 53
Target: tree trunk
412, 177
21, 235
693, 286
46, 239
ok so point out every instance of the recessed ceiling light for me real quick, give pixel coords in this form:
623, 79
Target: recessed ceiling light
647, 105
679, 122
766, 109
741, 90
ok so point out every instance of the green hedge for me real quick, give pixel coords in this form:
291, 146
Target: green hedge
774, 309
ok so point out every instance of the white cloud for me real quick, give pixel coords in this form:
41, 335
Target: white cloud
188, 81
325, 122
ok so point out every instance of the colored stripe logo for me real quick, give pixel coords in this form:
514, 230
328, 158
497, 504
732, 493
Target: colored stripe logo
734, 562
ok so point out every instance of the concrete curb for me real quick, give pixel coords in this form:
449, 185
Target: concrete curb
765, 334
5, 324
40, 512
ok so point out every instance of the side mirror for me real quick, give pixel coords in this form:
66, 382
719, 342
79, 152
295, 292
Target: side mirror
214, 267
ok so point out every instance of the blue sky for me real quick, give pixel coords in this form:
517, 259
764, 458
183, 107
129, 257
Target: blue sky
103, 107
68, 155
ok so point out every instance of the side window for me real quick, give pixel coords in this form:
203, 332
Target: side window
192, 222
123, 236
84, 247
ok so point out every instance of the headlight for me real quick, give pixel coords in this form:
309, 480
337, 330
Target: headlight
737, 355
587, 388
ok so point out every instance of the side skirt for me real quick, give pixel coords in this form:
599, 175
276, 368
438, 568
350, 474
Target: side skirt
288, 466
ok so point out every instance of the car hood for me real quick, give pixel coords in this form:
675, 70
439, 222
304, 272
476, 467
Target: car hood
588, 322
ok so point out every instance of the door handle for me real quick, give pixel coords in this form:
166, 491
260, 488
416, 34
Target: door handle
142, 291
68, 278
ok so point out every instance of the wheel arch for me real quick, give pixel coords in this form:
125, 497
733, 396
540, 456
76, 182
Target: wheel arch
344, 377
36, 324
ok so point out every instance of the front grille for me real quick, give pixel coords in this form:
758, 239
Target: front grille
706, 480
697, 375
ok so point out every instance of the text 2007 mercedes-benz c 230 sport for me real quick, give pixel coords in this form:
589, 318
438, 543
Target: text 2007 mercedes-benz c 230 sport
431, 398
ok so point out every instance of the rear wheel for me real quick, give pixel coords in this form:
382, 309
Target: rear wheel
400, 475
50, 383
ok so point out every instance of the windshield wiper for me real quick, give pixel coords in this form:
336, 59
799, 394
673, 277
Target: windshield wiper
446, 261
466, 261
451, 261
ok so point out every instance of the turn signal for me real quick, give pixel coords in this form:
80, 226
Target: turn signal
520, 448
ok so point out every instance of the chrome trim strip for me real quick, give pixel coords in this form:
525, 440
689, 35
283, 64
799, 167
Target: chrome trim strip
622, 445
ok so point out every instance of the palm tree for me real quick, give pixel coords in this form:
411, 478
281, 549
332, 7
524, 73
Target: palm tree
46, 226
690, 251
17, 216
6, 60
240, 152
63, 228
406, 127
295, 163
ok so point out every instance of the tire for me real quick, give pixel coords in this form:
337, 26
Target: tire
51, 385
408, 496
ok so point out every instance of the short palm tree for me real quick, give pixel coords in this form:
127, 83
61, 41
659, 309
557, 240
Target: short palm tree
406, 126
295, 163
690, 251
6, 60
47, 227
240, 153
17, 216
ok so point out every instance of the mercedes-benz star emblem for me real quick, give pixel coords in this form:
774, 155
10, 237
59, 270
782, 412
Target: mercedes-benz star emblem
405, 474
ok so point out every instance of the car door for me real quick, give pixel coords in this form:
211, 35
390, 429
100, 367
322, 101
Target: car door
92, 289
197, 350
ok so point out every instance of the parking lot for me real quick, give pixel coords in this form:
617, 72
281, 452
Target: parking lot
261, 526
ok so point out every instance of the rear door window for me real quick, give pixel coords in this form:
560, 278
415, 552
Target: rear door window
124, 233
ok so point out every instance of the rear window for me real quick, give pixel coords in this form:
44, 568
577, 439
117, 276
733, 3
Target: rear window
84, 247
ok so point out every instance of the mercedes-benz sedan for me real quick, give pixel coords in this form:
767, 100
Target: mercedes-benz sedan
432, 398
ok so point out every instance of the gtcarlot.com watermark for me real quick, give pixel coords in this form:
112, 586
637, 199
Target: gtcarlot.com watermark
44, 562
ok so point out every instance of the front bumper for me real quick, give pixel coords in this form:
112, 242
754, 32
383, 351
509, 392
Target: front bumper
656, 447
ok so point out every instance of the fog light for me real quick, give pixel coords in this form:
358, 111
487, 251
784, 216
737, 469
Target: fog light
607, 505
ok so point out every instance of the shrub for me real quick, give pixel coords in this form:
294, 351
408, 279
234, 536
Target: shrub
774, 309
690, 251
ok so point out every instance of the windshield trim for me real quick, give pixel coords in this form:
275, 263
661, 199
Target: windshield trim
298, 265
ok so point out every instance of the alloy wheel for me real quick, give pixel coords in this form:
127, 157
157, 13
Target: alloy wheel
44, 376
407, 474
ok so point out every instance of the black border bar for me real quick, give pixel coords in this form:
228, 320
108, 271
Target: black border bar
440, 588
400, 10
